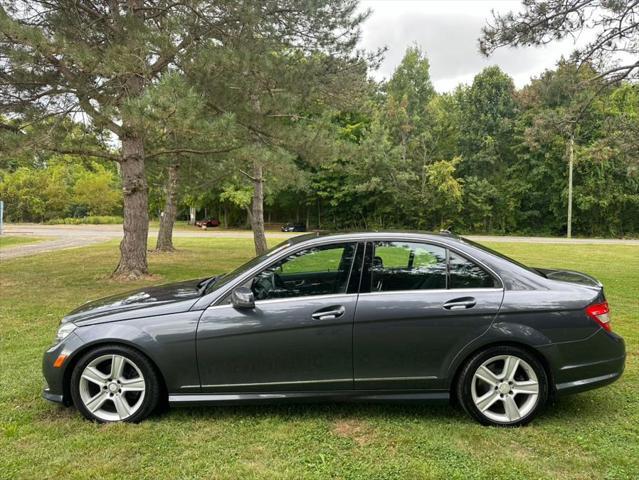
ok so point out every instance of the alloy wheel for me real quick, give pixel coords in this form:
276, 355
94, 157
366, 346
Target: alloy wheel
505, 388
112, 387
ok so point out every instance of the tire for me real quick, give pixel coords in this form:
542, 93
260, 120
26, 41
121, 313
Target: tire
115, 383
504, 386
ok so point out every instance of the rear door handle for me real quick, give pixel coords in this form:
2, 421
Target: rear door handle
460, 303
329, 313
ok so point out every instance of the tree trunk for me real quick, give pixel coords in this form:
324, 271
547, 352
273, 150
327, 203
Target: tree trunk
257, 210
133, 246
571, 155
192, 215
167, 220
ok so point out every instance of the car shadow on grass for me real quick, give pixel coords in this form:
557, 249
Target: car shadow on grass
311, 410
582, 408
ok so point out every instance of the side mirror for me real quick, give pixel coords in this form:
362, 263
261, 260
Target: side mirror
242, 297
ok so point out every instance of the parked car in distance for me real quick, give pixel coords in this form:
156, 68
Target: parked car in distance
206, 223
359, 316
294, 227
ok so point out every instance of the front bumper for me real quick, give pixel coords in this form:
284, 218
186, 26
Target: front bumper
586, 364
56, 376
52, 397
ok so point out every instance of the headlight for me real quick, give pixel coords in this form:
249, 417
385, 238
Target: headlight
64, 331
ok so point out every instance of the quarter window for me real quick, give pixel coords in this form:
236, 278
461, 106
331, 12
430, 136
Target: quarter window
465, 274
320, 270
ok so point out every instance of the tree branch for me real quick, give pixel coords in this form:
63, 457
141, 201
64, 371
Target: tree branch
190, 150
84, 153
11, 128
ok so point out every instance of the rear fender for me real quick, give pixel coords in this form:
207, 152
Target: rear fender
501, 333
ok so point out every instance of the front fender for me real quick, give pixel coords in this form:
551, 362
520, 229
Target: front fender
168, 341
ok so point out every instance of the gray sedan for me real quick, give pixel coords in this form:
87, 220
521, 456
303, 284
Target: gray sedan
365, 316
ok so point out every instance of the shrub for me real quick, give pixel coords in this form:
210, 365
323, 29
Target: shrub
92, 220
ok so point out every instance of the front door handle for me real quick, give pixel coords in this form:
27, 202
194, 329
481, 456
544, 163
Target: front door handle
329, 313
460, 303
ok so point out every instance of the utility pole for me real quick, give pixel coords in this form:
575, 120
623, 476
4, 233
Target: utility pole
571, 153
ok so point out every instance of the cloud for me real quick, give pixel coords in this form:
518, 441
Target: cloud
448, 32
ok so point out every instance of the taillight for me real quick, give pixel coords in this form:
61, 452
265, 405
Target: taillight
600, 313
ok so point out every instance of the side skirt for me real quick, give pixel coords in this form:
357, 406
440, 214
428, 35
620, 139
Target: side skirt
178, 399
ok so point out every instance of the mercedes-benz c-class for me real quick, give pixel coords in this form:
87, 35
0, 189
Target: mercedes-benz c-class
363, 316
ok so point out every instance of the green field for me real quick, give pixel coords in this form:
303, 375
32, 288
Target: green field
591, 435
12, 240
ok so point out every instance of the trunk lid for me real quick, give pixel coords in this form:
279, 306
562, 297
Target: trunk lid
570, 276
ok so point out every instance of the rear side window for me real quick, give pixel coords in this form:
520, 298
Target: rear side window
465, 274
407, 266
398, 266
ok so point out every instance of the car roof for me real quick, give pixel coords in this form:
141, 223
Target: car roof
400, 235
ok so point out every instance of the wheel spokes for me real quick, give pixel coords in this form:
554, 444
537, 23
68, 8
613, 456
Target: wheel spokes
511, 408
529, 387
510, 368
506, 396
487, 400
94, 375
121, 406
117, 366
132, 384
487, 376
112, 396
97, 401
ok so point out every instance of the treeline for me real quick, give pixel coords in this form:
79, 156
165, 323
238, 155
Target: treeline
258, 110
486, 158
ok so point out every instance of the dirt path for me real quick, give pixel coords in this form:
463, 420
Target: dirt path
73, 236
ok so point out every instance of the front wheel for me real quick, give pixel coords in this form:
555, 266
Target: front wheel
114, 384
504, 386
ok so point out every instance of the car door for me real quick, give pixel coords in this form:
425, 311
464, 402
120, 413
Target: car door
299, 335
419, 305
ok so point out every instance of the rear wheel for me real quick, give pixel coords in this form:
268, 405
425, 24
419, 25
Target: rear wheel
503, 385
115, 384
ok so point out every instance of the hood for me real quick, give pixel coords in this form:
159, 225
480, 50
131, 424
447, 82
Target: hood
162, 299
570, 276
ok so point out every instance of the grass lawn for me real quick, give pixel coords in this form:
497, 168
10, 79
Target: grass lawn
12, 240
591, 435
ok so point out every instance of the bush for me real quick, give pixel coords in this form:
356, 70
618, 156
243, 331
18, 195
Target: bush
92, 220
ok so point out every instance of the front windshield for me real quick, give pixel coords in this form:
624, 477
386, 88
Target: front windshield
223, 279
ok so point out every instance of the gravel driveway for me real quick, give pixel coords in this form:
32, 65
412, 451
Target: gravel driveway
73, 236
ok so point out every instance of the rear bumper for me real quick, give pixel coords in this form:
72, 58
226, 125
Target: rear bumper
586, 364
577, 386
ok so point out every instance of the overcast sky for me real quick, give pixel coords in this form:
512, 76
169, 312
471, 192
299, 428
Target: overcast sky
448, 31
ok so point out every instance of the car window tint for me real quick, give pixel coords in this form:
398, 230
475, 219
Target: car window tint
393, 256
407, 266
314, 260
465, 274
320, 270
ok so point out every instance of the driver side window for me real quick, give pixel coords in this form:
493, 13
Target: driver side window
322, 270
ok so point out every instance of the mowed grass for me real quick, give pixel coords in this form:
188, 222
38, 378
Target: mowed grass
12, 240
590, 435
